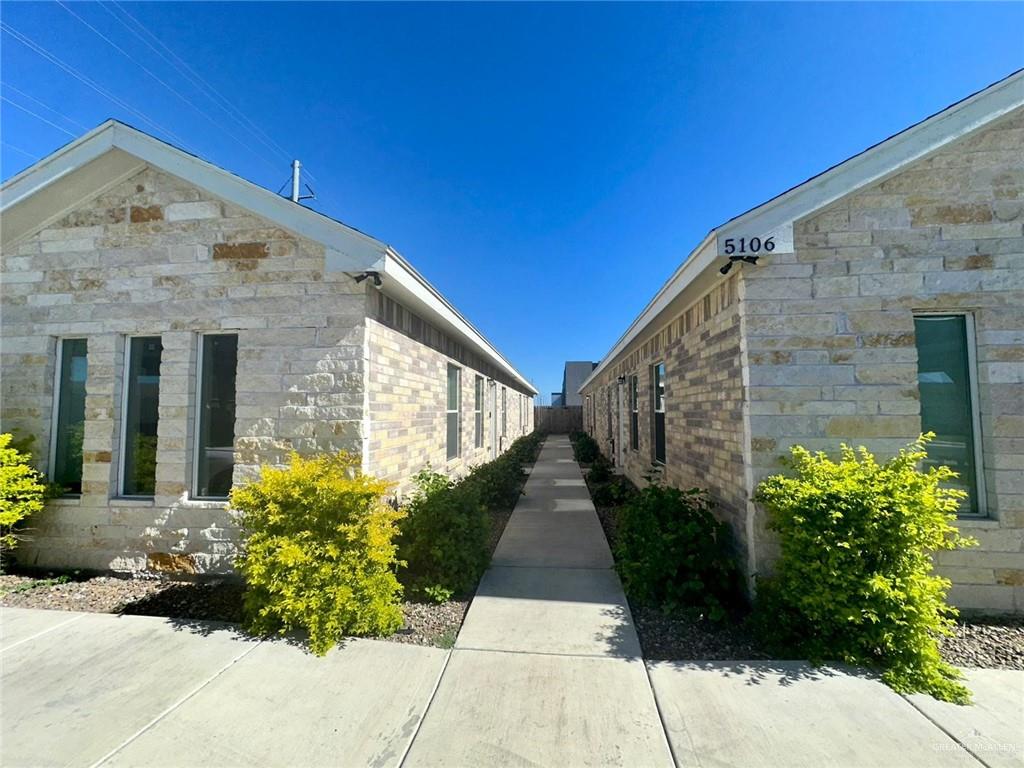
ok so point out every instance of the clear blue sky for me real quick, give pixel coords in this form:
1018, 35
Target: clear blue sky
545, 166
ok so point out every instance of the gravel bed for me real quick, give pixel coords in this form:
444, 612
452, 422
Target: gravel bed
993, 642
425, 623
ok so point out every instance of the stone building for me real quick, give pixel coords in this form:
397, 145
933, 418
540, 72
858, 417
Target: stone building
168, 327
880, 299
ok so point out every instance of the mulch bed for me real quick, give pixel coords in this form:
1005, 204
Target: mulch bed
433, 624
992, 642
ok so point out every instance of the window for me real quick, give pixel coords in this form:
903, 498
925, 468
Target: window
945, 364
504, 411
215, 429
140, 415
609, 413
658, 379
634, 412
478, 412
69, 416
454, 416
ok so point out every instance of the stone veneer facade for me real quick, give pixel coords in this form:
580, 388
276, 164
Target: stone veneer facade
155, 256
827, 346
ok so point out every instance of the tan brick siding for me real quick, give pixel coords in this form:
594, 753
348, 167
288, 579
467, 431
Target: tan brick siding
703, 405
407, 415
830, 331
156, 256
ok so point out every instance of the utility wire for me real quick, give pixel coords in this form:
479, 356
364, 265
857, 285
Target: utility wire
165, 85
32, 45
30, 97
203, 85
25, 152
38, 116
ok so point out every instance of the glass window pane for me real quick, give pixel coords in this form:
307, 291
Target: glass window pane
453, 435
453, 388
70, 430
946, 408
215, 443
141, 416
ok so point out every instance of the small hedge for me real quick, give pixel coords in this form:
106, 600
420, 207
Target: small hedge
22, 491
673, 554
855, 579
318, 551
446, 532
584, 447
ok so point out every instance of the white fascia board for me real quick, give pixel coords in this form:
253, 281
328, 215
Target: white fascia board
874, 163
702, 257
347, 249
881, 160
57, 165
427, 300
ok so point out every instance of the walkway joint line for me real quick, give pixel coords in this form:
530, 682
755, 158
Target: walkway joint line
177, 704
5, 649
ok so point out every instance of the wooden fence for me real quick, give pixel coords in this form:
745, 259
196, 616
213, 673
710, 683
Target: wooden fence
558, 420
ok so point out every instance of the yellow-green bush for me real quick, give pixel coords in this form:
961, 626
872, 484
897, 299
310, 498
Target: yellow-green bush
319, 551
21, 492
855, 579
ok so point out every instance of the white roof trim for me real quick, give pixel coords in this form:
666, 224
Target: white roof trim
419, 293
347, 249
865, 168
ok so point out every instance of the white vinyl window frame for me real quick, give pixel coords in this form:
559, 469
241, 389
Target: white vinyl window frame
456, 411
478, 411
972, 381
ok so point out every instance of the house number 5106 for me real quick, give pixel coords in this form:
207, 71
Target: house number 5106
748, 245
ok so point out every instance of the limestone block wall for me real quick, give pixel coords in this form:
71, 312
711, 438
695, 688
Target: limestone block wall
704, 394
830, 333
156, 256
407, 382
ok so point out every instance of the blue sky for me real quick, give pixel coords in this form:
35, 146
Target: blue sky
545, 166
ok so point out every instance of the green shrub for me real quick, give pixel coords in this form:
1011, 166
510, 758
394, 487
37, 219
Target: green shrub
584, 447
525, 449
498, 482
672, 552
444, 537
22, 491
318, 551
615, 493
855, 578
600, 470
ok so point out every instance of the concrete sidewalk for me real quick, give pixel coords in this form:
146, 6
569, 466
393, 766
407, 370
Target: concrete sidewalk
546, 672
547, 667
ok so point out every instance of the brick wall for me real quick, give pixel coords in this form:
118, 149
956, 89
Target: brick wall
831, 342
703, 405
155, 256
407, 384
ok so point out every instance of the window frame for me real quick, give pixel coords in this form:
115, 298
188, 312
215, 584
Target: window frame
478, 411
657, 379
197, 414
975, 404
634, 412
448, 411
51, 467
123, 430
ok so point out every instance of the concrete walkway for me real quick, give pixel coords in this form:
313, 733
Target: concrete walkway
547, 667
545, 672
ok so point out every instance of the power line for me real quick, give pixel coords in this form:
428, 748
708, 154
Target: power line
203, 85
164, 84
32, 45
38, 117
24, 152
30, 97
